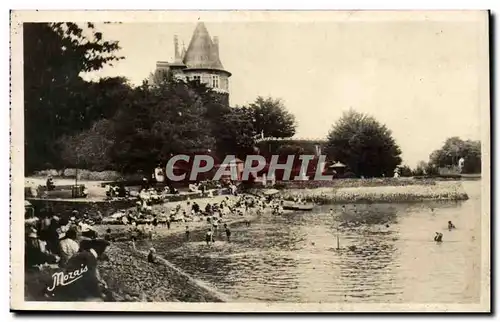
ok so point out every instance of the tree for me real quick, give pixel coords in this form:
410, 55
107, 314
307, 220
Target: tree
89, 149
55, 54
364, 145
420, 169
405, 171
236, 134
157, 122
158, 76
272, 119
455, 148
290, 149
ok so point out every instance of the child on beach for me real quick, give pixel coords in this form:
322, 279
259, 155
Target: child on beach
209, 237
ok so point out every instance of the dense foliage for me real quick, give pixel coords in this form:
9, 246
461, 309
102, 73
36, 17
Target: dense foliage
364, 145
272, 119
455, 148
109, 125
57, 101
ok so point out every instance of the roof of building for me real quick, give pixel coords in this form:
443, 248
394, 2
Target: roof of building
338, 165
202, 53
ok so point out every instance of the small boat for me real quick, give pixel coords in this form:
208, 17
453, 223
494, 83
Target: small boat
297, 206
270, 192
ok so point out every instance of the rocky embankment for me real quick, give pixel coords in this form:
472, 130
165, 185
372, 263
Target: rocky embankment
445, 190
131, 278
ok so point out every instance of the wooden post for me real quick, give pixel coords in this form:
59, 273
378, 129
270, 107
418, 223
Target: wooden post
338, 238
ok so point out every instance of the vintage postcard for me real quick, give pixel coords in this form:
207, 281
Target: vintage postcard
260, 161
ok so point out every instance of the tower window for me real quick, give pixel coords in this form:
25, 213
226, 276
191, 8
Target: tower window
215, 81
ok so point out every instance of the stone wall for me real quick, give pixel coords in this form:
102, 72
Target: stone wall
65, 207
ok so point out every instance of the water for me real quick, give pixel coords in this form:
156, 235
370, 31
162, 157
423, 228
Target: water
387, 254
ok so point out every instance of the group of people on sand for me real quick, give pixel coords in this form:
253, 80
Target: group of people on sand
243, 205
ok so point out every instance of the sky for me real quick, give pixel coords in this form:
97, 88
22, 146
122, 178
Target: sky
420, 78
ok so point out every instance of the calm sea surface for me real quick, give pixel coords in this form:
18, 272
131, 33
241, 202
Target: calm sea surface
387, 254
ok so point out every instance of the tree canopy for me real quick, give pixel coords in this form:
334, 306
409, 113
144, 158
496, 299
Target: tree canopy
108, 124
160, 121
235, 132
455, 148
272, 119
57, 101
364, 145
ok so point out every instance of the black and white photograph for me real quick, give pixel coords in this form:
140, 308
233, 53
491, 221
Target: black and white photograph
250, 161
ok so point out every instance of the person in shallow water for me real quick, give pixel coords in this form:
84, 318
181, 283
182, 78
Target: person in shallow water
451, 225
228, 232
438, 238
209, 237
187, 233
152, 255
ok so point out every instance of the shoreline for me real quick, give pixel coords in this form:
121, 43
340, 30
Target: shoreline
182, 286
443, 190
131, 277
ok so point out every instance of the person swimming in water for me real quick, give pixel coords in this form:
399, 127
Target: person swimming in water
438, 238
450, 225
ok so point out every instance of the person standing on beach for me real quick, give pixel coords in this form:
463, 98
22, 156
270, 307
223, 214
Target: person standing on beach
209, 237
152, 255
228, 232
215, 224
187, 233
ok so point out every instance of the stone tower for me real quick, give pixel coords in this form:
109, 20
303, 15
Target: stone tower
200, 61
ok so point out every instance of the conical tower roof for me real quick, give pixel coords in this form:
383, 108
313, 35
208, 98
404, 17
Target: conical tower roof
202, 53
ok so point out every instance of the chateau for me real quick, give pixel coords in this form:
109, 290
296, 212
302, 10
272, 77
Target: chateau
200, 62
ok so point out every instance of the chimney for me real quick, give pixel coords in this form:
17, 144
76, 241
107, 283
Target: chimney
176, 47
183, 51
216, 45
